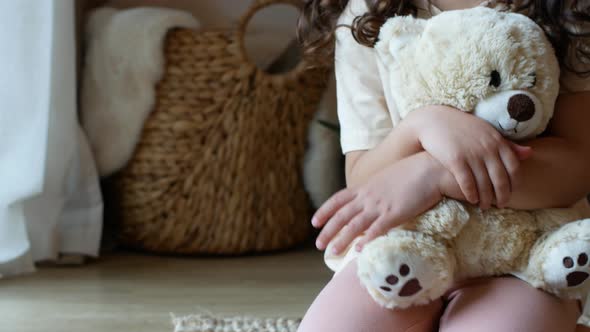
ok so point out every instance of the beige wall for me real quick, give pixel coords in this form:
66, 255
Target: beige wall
216, 14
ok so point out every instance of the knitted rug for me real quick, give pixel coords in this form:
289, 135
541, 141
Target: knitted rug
210, 323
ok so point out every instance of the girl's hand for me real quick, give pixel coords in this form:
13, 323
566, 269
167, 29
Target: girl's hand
391, 197
482, 161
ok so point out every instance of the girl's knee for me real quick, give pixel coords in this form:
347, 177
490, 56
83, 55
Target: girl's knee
507, 304
344, 305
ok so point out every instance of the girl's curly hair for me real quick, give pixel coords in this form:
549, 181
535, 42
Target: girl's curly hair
566, 23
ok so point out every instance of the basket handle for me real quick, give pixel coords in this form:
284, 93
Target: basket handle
256, 6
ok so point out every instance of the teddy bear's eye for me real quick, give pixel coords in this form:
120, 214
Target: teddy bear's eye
495, 80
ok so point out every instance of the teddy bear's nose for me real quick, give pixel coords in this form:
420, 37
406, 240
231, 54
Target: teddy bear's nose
521, 107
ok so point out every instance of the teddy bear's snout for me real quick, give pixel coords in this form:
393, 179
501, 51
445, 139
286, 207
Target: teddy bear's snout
516, 114
521, 107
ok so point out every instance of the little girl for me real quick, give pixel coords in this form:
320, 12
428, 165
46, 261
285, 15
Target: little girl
396, 170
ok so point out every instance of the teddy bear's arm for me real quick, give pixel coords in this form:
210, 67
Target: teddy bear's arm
445, 220
549, 219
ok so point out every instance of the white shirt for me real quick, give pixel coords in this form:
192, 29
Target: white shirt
366, 109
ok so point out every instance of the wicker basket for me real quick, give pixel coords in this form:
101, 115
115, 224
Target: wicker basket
218, 167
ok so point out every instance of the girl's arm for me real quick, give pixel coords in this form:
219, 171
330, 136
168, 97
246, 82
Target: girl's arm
399, 144
481, 160
558, 173
395, 194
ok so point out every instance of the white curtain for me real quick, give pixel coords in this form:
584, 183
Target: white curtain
50, 202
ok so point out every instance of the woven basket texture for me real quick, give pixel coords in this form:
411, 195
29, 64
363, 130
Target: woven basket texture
218, 166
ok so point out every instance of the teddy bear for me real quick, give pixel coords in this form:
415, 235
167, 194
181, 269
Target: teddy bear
500, 67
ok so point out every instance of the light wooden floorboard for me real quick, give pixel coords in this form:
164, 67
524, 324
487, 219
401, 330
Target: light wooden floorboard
130, 292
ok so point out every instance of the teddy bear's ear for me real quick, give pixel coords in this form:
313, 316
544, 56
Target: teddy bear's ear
397, 33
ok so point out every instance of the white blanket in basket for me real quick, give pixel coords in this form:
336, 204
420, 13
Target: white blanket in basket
124, 61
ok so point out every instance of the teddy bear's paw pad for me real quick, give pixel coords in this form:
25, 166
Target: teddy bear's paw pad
576, 277
398, 279
567, 265
402, 284
410, 287
405, 268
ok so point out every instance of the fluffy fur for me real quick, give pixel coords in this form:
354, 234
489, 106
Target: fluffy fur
123, 63
449, 60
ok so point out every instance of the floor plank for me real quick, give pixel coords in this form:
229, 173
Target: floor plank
131, 292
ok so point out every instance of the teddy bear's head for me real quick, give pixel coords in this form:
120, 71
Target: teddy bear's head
498, 65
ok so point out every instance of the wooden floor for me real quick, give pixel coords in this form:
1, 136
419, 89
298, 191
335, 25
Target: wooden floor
130, 292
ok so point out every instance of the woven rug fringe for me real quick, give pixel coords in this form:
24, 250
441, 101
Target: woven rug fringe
207, 322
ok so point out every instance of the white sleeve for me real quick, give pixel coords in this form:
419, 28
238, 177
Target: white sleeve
362, 110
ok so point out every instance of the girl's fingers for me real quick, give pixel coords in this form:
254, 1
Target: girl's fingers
500, 180
378, 228
510, 160
331, 206
356, 227
523, 152
484, 184
466, 181
335, 224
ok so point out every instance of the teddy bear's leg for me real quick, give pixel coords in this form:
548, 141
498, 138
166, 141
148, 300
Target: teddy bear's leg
560, 261
405, 268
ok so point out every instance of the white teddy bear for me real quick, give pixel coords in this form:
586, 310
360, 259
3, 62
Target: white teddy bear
500, 67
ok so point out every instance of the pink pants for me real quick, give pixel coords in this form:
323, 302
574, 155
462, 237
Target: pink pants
485, 305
